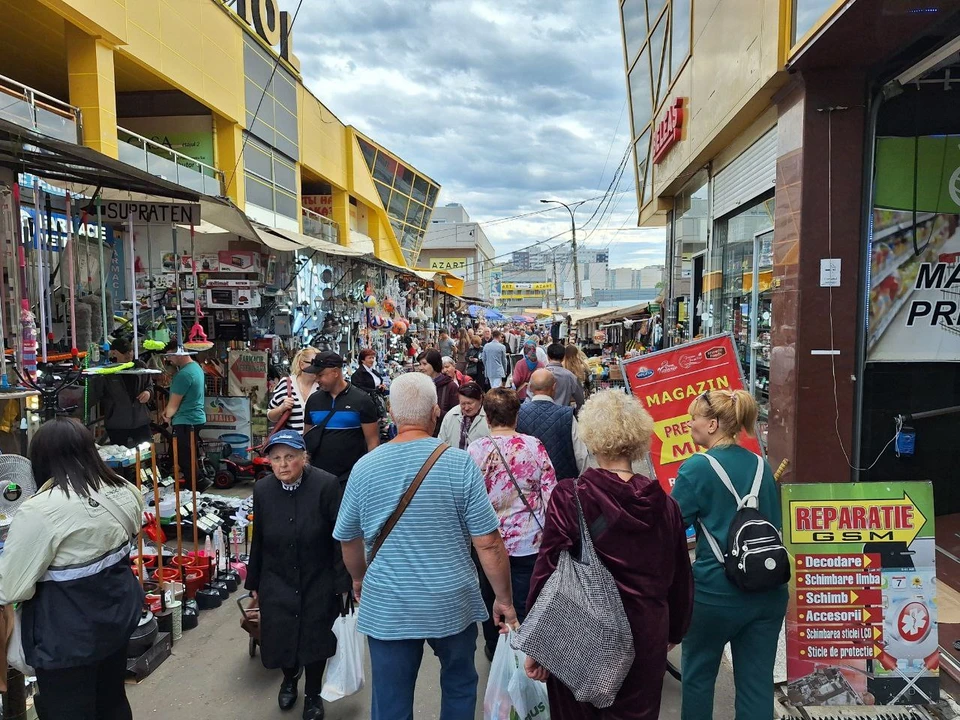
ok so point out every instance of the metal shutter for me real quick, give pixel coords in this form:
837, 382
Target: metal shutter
751, 174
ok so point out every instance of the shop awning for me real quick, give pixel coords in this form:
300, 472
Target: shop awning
307, 242
26, 151
579, 316
275, 242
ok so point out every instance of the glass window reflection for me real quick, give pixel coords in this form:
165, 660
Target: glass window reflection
640, 98
806, 14
634, 27
680, 35
420, 187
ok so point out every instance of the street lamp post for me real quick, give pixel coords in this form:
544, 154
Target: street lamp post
573, 228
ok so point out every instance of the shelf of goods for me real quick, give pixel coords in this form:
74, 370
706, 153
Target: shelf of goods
895, 264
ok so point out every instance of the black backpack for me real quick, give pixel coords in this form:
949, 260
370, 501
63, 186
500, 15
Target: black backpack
755, 560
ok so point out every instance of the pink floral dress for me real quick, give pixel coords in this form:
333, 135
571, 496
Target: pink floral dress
534, 474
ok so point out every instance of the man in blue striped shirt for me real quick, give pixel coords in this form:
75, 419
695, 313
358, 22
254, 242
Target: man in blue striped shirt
422, 585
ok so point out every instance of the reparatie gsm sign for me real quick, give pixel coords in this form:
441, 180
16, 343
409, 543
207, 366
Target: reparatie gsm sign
855, 521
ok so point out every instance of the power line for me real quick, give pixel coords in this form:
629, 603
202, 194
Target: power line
276, 66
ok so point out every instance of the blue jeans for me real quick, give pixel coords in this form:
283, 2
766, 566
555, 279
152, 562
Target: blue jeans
396, 664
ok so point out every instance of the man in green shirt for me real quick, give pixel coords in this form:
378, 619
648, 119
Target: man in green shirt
184, 409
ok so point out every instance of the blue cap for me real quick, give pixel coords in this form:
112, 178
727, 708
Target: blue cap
286, 437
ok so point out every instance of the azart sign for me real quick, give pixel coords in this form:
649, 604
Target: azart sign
669, 131
273, 27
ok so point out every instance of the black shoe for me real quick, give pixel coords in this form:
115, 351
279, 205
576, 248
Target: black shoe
312, 707
287, 696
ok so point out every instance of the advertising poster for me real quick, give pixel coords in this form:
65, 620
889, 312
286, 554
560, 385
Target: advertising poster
666, 382
228, 416
915, 251
862, 617
247, 374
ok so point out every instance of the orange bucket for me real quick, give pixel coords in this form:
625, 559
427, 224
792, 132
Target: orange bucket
167, 574
195, 581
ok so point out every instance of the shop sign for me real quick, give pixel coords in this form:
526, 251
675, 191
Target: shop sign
666, 382
861, 624
145, 213
320, 204
669, 131
600, 337
274, 27
528, 286
914, 303
449, 264
247, 374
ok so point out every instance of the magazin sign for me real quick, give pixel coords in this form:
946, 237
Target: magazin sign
275, 28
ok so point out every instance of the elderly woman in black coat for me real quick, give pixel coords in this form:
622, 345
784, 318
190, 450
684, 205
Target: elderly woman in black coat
296, 572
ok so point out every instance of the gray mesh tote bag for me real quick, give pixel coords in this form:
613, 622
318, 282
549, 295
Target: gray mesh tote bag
578, 629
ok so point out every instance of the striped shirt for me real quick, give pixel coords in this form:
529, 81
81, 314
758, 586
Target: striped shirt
295, 422
423, 583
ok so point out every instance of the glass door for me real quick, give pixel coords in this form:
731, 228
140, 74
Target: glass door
760, 317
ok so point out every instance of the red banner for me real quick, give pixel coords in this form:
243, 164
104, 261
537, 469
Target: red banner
666, 382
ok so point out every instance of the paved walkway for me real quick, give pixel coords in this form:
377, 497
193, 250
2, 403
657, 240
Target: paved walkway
210, 676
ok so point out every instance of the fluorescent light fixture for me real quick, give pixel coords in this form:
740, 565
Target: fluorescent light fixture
928, 63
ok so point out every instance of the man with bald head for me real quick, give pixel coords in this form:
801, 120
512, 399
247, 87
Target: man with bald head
554, 425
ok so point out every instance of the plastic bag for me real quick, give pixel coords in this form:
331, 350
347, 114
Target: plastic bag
15, 654
345, 669
510, 694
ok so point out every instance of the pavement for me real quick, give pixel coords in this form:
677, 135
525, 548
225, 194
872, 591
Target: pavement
210, 676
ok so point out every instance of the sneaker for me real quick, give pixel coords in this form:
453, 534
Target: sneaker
287, 697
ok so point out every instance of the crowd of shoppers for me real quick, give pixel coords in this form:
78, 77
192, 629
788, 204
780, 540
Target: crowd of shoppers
460, 519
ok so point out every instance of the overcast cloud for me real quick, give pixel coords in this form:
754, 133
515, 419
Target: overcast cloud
502, 102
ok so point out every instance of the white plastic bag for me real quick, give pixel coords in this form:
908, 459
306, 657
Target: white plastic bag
510, 694
15, 655
345, 669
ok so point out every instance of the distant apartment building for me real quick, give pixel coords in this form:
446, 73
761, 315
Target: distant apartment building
457, 245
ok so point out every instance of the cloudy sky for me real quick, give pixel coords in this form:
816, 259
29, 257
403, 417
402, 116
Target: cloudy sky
502, 102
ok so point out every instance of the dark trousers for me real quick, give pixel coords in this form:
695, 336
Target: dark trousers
182, 436
521, 570
87, 692
396, 665
313, 683
130, 437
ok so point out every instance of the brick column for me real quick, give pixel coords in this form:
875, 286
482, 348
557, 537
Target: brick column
819, 179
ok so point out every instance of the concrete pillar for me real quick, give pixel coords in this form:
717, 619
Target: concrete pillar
341, 214
229, 137
818, 216
92, 85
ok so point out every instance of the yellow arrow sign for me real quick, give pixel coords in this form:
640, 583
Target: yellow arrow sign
854, 521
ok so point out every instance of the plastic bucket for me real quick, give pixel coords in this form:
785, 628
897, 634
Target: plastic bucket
204, 563
241, 568
239, 445
167, 574
183, 562
195, 581
154, 603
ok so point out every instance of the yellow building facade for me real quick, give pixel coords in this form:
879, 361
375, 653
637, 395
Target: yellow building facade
212, 95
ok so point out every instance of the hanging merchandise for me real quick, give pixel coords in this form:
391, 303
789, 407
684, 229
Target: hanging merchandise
198, 338
38, 254
28, 327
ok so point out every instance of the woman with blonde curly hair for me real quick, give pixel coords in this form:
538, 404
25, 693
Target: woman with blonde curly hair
638, 535
290, 395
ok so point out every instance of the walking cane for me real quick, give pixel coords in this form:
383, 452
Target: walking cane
140, 534
176, 484
156, 504
193, 472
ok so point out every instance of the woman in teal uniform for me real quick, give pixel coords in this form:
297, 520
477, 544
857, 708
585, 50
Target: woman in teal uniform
722, 613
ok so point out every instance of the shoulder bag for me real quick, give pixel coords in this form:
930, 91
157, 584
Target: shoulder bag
577, 629
506, 466
405, 500
285, 415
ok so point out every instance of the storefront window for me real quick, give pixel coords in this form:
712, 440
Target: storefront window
742, 262
806, 14
690, 227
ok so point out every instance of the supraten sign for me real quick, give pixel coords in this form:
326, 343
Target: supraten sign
273, 27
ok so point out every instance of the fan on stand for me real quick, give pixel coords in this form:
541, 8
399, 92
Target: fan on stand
16, 485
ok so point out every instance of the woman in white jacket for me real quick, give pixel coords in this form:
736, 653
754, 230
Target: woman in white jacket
467, 421
67, 562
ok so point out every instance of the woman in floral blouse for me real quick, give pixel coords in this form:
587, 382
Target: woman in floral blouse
519, 478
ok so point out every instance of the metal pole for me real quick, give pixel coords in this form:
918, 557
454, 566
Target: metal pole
71, 242
41, 285
132, 259
556, 282
576, 266
103, 278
